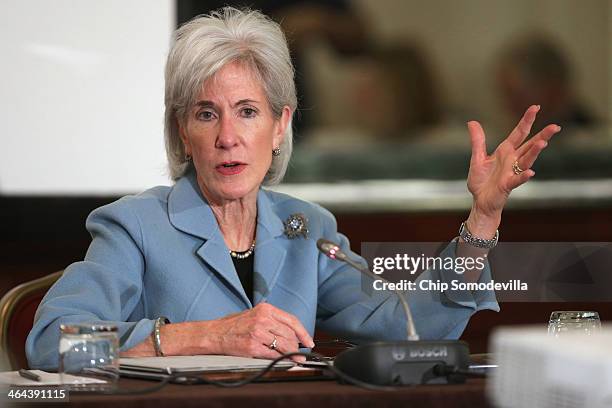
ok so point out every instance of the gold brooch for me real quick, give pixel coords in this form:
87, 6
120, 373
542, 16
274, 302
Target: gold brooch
296, 226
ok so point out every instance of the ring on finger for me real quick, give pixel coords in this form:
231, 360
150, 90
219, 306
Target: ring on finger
516, 168
274, 344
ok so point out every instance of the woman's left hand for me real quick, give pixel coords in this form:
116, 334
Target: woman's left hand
492, 178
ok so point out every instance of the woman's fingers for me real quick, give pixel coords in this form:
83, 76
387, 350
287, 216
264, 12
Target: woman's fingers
478, 141
522, 129
290, 321
545, 134
524, 164
528, 153
268, 345
285, 346
282, 330
521, 178
526, 160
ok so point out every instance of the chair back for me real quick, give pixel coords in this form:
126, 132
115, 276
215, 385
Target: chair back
17, 309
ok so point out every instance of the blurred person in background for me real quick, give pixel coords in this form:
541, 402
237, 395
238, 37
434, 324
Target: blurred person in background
397, 80
535, 70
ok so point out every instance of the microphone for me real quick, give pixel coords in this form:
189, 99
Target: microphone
408, 362
333, 251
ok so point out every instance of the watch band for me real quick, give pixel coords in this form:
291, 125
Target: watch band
465, 234
159, 322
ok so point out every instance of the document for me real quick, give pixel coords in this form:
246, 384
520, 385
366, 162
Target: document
200, 363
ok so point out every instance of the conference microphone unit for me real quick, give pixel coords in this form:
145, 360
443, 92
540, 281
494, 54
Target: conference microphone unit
406, 362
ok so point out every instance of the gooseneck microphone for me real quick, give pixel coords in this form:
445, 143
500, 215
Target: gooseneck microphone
333, 251
399, 362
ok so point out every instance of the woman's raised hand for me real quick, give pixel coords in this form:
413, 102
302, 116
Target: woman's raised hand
492, 177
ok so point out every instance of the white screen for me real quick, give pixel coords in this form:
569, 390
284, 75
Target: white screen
82, 95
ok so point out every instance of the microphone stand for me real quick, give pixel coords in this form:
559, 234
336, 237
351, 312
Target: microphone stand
407, 362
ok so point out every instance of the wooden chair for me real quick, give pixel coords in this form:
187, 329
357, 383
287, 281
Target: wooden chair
17, 309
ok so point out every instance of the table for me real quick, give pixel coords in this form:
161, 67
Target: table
317, 394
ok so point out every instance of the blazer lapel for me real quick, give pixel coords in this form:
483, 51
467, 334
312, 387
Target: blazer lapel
189, 212
270, 253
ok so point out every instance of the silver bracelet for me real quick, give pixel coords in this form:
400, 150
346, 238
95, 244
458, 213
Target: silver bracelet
465, 234
159, 322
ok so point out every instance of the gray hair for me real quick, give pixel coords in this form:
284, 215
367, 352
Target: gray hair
206, 44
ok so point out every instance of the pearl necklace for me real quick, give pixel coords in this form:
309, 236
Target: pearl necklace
245, 254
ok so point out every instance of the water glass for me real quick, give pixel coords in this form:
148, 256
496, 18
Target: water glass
91, 351
584, 322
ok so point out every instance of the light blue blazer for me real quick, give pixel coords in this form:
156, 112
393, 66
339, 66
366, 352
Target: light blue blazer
161, 253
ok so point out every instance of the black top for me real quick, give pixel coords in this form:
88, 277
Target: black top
244, 267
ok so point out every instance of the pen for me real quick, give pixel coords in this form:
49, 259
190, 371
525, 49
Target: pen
29, 375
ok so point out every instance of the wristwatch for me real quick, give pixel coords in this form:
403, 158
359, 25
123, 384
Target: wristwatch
465, 234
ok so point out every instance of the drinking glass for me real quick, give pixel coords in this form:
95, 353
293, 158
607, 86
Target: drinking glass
91, 351
584, 322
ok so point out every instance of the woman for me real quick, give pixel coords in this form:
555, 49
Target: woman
233, 266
